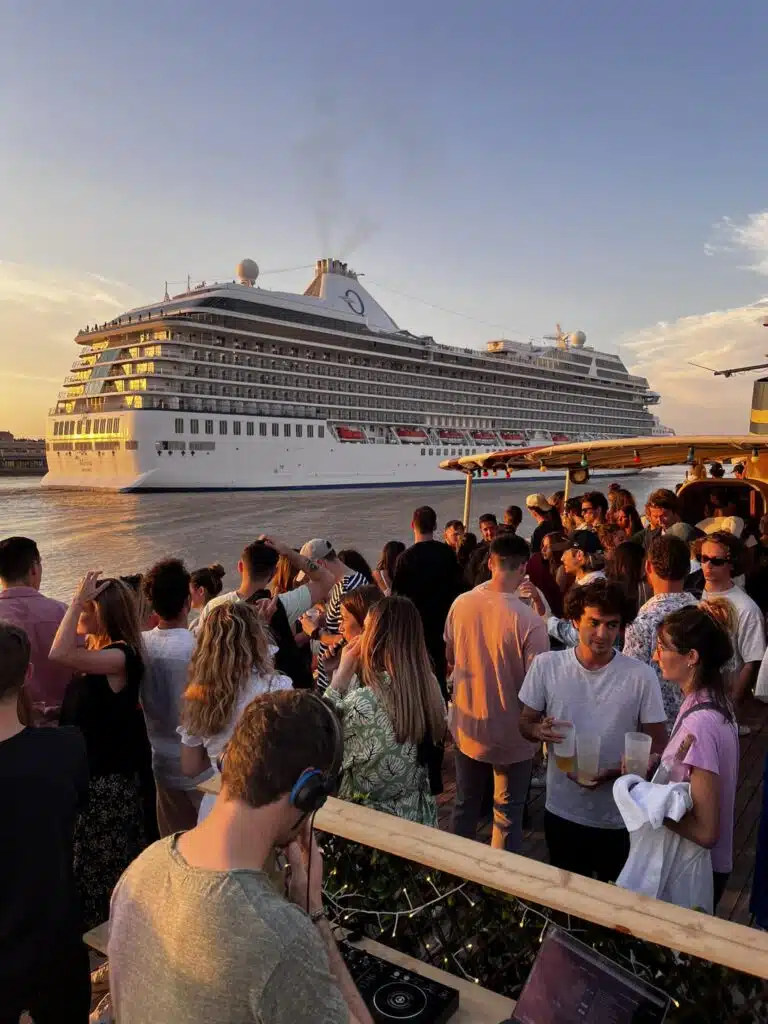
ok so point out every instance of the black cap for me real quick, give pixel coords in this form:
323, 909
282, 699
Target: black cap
586, 541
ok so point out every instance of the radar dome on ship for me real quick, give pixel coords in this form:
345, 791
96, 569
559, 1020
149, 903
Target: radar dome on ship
247, 272
577, 339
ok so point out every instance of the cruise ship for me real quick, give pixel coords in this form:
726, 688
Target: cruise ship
232, 385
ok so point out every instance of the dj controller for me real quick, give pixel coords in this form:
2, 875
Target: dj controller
394, 994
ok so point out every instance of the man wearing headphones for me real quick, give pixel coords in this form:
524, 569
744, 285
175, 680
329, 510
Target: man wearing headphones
198, 932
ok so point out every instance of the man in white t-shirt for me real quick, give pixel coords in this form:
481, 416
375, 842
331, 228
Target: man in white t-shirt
257, 567
491, 638
721, 559
604, 694
169, 647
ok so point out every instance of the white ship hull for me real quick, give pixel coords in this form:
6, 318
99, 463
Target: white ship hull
258, 463
247, 462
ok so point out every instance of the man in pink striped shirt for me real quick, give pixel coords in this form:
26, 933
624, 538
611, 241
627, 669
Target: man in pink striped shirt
22, 604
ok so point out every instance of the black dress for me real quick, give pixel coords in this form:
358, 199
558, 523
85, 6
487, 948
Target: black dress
111, 833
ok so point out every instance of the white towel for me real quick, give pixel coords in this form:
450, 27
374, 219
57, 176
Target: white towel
647, 803
661, 863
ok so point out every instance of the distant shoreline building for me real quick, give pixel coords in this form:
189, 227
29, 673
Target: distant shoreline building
21, 455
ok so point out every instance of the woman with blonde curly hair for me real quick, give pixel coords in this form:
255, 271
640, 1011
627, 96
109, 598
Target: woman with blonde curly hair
102, 701
395, 721
232, 664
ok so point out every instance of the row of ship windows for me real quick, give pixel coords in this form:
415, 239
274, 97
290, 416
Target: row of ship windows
250, 428
202, 446
63, 428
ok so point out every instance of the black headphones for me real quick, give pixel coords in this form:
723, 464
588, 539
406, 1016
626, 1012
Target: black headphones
313, 787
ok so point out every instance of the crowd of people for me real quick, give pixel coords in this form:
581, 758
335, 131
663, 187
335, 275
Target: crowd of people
321, 675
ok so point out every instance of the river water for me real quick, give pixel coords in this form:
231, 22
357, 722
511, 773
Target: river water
126, 533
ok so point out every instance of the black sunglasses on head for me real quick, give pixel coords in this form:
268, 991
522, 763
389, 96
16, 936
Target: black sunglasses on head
715, 560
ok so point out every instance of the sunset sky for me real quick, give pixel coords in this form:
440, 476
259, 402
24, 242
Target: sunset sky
601, 165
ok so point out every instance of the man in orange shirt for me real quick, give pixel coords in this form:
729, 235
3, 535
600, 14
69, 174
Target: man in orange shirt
492, 637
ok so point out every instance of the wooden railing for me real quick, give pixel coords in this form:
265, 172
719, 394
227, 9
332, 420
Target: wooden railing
686, 931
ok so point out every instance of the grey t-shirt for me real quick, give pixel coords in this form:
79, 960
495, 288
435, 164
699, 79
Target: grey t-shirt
162, 687
611, 701
193, 946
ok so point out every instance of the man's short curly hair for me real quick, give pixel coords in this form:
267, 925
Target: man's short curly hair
670, 557
608, 597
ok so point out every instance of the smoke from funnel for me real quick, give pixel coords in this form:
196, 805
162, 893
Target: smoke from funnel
336, 161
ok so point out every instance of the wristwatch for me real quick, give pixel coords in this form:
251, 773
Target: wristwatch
317, 915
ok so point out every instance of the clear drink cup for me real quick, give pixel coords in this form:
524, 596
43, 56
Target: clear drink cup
565, 751
587, 757
637, 752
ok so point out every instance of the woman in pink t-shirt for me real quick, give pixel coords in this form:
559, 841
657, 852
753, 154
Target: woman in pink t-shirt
693, 650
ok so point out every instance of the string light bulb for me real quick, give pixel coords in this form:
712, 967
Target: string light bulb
755, 454
542, 467
584, 463
691, 456
636, 457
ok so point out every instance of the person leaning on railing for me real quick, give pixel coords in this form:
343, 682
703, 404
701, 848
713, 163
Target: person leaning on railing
198, 931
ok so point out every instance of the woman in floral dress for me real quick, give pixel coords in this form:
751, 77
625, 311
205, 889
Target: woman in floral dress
394, 719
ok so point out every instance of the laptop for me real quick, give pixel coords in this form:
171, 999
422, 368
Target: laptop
570, 983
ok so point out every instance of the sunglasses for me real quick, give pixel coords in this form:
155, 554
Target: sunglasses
715, 560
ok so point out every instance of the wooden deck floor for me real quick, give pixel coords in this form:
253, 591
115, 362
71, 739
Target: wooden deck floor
734, 904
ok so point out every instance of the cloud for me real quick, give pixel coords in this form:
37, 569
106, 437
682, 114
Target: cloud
41, 311
41, 289
694, 401
750, 237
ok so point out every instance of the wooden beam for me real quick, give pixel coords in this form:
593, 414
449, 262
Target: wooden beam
687, 931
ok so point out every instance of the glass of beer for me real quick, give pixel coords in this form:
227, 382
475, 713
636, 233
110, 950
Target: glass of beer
565, 750
587, 757
637, 751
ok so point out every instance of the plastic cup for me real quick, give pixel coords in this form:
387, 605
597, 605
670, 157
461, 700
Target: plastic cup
637, 752
587, 757
565, 750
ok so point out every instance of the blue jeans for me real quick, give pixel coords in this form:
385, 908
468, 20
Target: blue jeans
510, 789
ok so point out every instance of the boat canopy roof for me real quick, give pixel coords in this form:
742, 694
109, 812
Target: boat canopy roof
622, 453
